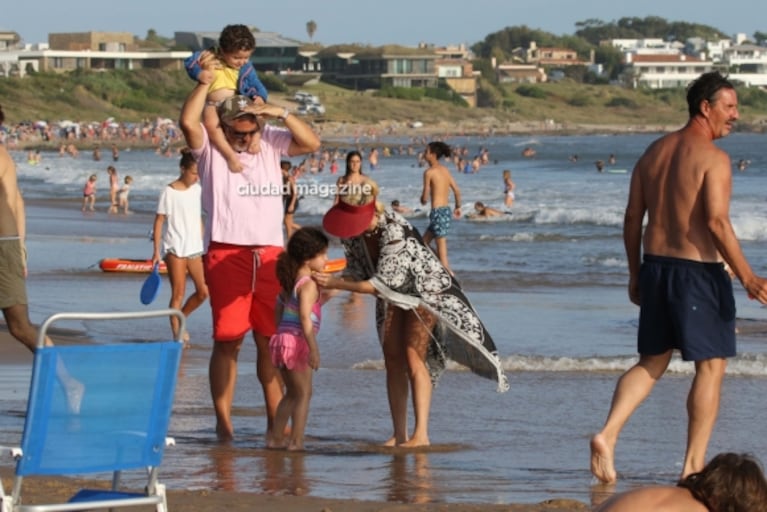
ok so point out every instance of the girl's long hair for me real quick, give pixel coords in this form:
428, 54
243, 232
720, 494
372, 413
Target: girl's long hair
304, 244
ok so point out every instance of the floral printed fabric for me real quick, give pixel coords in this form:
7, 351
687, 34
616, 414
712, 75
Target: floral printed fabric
407, 266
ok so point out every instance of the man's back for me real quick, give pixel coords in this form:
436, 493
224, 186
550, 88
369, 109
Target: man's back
9, 195
675, 175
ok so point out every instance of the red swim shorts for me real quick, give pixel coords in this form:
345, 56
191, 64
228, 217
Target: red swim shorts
243, 286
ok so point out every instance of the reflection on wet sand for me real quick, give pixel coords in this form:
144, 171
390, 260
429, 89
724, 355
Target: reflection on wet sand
273, 471
284, 473
410, 485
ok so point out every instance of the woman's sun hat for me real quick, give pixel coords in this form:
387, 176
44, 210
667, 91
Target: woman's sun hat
345, 220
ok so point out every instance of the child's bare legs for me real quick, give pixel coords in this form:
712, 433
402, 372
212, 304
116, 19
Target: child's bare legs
92, 206
112, 200
293, 406
211, 122
442, 252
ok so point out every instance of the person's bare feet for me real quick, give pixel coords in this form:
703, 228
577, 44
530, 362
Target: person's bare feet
296, 447
392, 441
415, 442
224, 434
273, 443
602, 460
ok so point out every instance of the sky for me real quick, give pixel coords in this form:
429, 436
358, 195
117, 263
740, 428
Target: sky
405, 22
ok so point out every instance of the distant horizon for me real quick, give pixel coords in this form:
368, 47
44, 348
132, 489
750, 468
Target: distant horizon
342, 22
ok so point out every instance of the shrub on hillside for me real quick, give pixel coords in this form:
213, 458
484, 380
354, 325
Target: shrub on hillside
273, 83
580, 100
402, 93
753, 97
620, 101
531, 91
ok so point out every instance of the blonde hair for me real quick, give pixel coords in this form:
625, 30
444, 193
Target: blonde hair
506, 173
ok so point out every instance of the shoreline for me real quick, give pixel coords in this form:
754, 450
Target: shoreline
334, 133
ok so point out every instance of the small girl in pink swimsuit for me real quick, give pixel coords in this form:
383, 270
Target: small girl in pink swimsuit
294, 347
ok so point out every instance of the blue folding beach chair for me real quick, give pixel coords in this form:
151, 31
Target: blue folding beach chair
98, 409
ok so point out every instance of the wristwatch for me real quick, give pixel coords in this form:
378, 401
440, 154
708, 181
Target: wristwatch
285, 114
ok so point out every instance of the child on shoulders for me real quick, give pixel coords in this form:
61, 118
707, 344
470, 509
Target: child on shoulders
233, 74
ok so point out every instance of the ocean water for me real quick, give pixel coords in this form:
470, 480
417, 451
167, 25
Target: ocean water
549, 281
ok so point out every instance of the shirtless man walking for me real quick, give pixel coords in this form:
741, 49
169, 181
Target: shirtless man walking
437, 184
13, 270
13, 267
683, 183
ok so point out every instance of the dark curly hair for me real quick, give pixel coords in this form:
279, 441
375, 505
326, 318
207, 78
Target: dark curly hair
304, 244
235, 38
440, 149
730, 482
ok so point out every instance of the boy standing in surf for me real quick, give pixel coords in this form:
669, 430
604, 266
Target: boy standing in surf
437, 184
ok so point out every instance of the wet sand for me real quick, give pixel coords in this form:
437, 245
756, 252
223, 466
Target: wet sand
41, 490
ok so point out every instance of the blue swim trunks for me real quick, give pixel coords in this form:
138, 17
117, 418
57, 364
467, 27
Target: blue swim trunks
439, 221
685, 305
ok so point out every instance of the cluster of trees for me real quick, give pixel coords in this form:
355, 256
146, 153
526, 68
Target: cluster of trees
588, 35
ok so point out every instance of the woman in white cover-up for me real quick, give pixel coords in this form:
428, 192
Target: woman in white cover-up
180, 205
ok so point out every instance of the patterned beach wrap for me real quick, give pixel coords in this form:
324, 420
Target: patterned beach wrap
409, 275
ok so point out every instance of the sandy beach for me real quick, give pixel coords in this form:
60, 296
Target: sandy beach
39, 491
42, 490
549, 282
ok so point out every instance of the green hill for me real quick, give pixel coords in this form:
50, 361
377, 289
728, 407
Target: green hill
147, 94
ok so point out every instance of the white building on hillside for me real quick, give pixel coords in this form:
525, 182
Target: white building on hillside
747, 64
662, 71
649, 46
